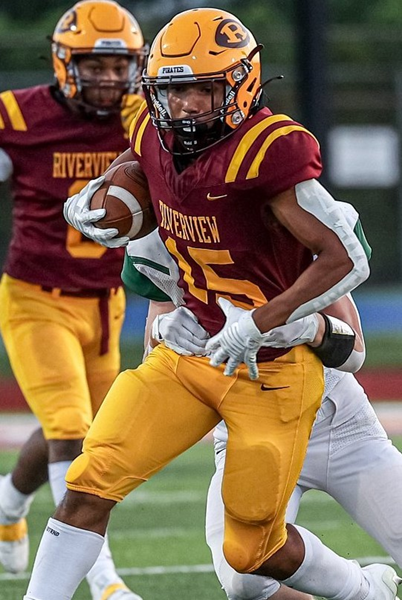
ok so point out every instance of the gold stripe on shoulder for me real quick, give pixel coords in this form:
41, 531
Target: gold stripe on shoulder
134, 122
246, 142
255, 165
14, 112
140, 133
2, 125
140, 130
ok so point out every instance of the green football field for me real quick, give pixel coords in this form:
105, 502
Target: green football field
157, 533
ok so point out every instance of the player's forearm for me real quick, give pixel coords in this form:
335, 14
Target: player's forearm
309, 290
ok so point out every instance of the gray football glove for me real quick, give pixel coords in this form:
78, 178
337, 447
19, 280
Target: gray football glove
299, 332
180, 331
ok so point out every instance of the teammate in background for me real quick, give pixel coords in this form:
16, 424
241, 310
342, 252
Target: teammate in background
349, 454
61, 300
239, 208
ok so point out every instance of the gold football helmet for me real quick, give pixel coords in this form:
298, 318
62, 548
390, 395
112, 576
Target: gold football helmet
203, 45
99, 27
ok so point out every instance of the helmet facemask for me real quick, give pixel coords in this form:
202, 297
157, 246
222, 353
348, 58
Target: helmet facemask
88, 92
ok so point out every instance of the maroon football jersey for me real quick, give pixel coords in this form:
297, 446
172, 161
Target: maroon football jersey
54, 154
214, 216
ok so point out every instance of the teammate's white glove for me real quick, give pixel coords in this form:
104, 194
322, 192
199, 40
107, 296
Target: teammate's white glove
299, 332
181, 332
238, 341
77, 213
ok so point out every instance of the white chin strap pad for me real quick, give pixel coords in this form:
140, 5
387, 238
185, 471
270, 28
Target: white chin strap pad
315, 199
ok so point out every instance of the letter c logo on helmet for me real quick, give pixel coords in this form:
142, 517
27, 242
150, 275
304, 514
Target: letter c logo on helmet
232, 34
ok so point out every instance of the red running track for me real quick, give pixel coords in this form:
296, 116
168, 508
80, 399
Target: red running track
380, 384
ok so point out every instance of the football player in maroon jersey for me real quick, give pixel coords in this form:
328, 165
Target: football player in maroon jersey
61, 301
240, 210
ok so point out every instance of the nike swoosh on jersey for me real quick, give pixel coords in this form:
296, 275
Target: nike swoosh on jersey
265, 388
209, 197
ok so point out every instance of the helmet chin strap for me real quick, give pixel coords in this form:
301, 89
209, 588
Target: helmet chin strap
195, 137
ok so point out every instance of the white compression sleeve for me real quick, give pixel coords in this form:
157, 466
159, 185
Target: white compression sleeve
14, 504
324, 572
57, 475
104, 564
64, 557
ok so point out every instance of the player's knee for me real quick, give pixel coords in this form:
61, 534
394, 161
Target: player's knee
243, 551
65, 424
240, 557
81, 471
89, 472
97, 472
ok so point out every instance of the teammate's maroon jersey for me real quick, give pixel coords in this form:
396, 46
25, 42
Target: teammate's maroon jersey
54, 154
214, 216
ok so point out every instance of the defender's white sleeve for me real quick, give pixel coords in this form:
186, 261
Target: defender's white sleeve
6, 166
315, 199
151, 258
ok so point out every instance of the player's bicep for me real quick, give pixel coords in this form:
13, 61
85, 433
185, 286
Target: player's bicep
304, 225
311, 214
317, 221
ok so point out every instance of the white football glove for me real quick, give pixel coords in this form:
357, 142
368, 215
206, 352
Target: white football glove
238, 341
77, 213
299, 332
181, 332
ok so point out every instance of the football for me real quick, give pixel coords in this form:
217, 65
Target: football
125, 197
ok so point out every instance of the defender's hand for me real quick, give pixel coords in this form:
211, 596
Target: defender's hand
181, 332
78, 214
302, 331
237, 342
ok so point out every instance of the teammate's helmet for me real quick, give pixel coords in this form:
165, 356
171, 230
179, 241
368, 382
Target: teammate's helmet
203, 45
99, 27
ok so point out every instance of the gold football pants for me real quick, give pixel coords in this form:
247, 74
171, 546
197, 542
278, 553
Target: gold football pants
154, 413
53, 343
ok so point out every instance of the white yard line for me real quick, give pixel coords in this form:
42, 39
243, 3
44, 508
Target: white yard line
175, 569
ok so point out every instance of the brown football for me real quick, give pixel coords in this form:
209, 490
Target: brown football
125, 197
